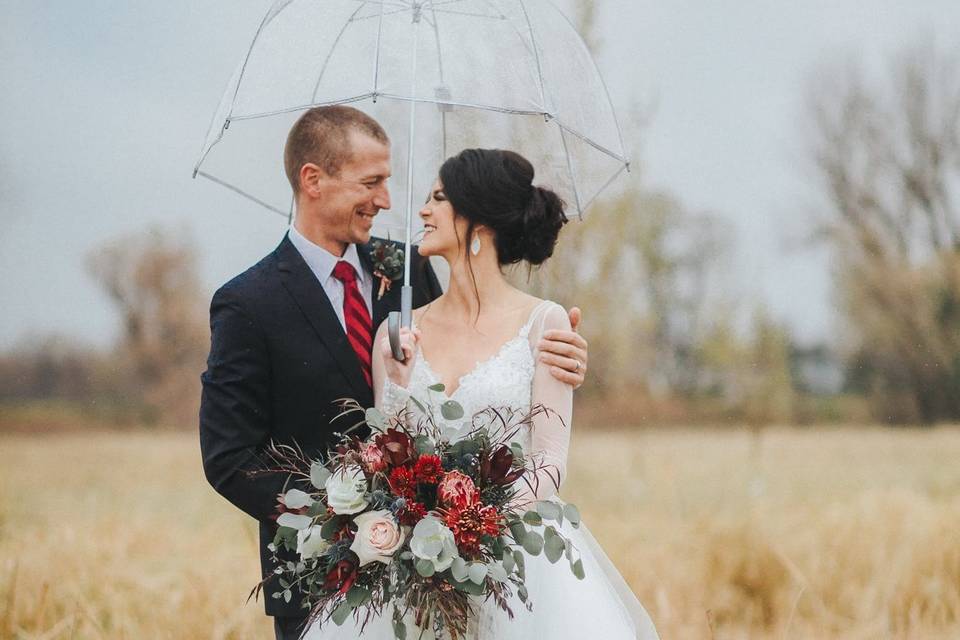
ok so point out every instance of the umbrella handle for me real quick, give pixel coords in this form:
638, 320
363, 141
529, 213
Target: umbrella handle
397, 318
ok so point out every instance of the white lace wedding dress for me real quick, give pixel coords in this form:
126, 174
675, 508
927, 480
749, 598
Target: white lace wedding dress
601, 606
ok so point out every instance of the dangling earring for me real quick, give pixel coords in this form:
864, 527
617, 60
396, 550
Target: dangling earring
475, 245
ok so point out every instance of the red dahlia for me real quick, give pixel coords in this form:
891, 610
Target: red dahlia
471, 522
402, 482
412, 513
428, 470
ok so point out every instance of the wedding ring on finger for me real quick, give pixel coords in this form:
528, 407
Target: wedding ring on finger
576, 369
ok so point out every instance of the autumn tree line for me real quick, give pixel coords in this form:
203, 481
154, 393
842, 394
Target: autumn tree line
668, 341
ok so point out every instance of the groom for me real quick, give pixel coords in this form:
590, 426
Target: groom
293, 334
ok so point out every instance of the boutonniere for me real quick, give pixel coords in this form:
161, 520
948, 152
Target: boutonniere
387, 264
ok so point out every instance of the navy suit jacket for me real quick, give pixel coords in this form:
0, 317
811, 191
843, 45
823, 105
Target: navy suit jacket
279, 362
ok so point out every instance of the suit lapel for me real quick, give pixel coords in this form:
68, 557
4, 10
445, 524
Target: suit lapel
309, 295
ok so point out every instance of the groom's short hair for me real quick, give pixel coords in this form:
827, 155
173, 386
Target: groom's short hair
322, 136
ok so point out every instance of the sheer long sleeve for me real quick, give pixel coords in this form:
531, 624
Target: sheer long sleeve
389, 397
550, 432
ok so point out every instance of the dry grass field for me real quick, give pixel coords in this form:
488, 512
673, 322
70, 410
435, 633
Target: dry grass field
818, 533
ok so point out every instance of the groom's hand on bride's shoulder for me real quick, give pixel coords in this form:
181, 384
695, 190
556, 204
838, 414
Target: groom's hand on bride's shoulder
566, 352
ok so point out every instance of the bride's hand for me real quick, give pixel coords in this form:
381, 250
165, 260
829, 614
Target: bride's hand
399, 372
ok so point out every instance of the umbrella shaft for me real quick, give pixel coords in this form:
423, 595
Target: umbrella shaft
408, 244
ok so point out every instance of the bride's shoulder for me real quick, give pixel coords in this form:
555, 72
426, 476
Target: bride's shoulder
548, 314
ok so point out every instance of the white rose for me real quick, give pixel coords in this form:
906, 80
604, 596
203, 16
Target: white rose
433, 541
378, 537
346, 491
310, 543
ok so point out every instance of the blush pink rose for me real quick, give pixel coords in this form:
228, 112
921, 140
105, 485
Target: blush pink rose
372, 458
456, 489
378, 537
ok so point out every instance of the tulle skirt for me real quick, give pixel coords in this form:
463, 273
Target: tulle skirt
564, 608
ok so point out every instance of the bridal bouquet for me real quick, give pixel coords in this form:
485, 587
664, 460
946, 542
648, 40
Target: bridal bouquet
410, 520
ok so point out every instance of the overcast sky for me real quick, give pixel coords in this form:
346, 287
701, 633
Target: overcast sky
104, 105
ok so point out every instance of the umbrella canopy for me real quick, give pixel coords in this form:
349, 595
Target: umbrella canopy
439, 75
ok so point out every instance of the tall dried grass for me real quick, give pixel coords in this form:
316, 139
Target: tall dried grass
846, 533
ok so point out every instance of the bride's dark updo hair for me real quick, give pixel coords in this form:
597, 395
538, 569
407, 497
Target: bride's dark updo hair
494, 187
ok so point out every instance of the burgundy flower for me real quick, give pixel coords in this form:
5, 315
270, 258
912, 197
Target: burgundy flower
470, 523
402, 482
396, 445
341, 577
428, 470
412, 513
456, 489
496, 468
372, 458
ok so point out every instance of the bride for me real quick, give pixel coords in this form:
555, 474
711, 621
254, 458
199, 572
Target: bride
480, 340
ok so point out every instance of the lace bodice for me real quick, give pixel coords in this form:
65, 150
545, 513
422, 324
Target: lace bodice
509, 378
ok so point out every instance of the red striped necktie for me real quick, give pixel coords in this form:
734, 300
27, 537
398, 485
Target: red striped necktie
356, 317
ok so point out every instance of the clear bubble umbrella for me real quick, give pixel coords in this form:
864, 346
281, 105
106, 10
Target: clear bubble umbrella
440, 76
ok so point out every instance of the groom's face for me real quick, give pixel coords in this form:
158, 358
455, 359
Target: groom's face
349, 201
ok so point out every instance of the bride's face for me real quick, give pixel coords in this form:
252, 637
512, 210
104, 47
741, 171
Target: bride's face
443, 230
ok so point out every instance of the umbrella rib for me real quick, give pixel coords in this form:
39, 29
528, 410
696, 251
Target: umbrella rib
616, 174
333, 48
443, 114
590, 142
573, 176
266, 20
470, 14
596, 70
376, 57
265, 114
469, 105
536, 53
242, 193
233, 101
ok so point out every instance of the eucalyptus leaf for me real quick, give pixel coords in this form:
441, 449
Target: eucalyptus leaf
459, 569
451, 410
319, 475
553, 545
376, 419
329, 528
341, 613
572, 513
357, 596
521, 564
399, 630
549, 510
533, 543
424, 445
469, 587
297, 499
478, 572
439, 387
533, 518
419, 405
578, 569
287, 595
518, 531
497, 571
508, 562
522, 593
425, 568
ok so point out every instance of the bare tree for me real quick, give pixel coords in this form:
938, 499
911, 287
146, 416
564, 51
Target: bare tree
887, 155
152, 279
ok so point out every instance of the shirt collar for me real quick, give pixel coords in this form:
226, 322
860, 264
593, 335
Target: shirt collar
321, 261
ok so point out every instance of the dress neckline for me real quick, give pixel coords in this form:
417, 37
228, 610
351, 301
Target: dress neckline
521, 335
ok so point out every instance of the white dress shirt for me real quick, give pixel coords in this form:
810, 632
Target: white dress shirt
322, 263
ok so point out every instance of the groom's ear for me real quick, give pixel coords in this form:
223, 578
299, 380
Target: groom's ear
310, 178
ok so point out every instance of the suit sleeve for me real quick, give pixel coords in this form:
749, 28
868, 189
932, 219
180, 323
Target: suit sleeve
235, 418
431, 284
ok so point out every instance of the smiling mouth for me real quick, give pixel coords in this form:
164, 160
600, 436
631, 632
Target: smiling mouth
427, 228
